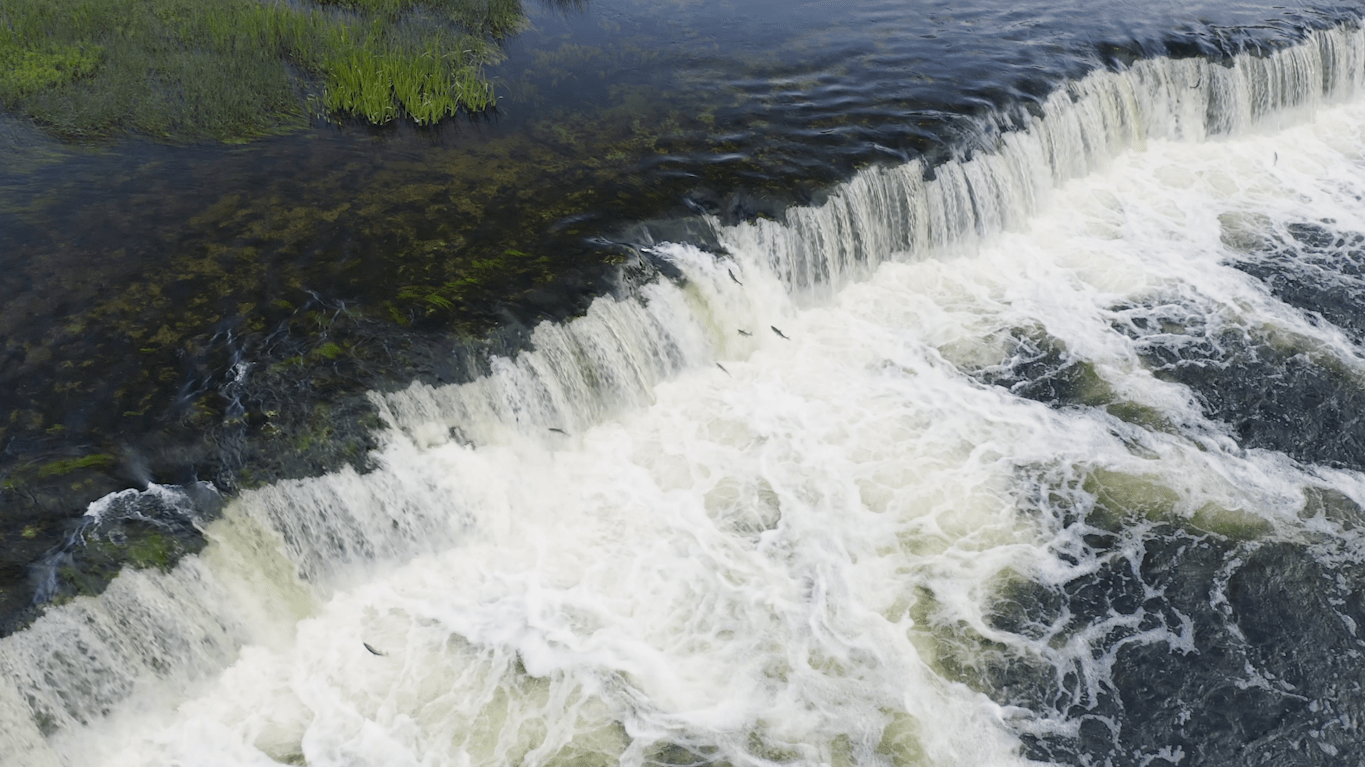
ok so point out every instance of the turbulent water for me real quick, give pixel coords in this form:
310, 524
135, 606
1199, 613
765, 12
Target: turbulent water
1050, 453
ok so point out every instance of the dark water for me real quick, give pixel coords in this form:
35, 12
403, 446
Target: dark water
211, 317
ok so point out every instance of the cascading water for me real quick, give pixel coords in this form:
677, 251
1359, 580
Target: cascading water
905, 478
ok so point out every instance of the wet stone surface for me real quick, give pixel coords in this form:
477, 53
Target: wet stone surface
1186, 645
1277, 393
1313, 267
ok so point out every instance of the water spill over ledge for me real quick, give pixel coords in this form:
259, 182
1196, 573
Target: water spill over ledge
340, 262
836, 545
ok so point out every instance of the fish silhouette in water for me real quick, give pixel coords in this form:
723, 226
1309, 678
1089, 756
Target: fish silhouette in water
733, 277
744, 332
722, 367
371, 649
778, 332
559, 431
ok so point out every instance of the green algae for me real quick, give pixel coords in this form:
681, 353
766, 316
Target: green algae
328, 351
67, 466
902, 741
153, 549
238, 69
1120, 498
1138, 414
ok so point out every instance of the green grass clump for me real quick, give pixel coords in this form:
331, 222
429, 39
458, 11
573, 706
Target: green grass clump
381, 82
236, 69
25, 70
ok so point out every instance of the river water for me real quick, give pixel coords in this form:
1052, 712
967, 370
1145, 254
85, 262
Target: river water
1042, 446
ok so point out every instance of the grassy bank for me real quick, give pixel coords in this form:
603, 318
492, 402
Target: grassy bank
236, 69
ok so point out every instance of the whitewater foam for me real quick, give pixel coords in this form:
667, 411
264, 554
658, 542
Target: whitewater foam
611, 552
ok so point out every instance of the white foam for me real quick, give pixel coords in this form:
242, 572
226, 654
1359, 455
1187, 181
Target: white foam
778, 561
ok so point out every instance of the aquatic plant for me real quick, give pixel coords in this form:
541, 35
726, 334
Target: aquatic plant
235, 69
425, 84
25, 70
66, 466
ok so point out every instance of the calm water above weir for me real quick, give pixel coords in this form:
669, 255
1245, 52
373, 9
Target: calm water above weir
764, 383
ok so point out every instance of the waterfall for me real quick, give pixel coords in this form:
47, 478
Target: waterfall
763, 512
